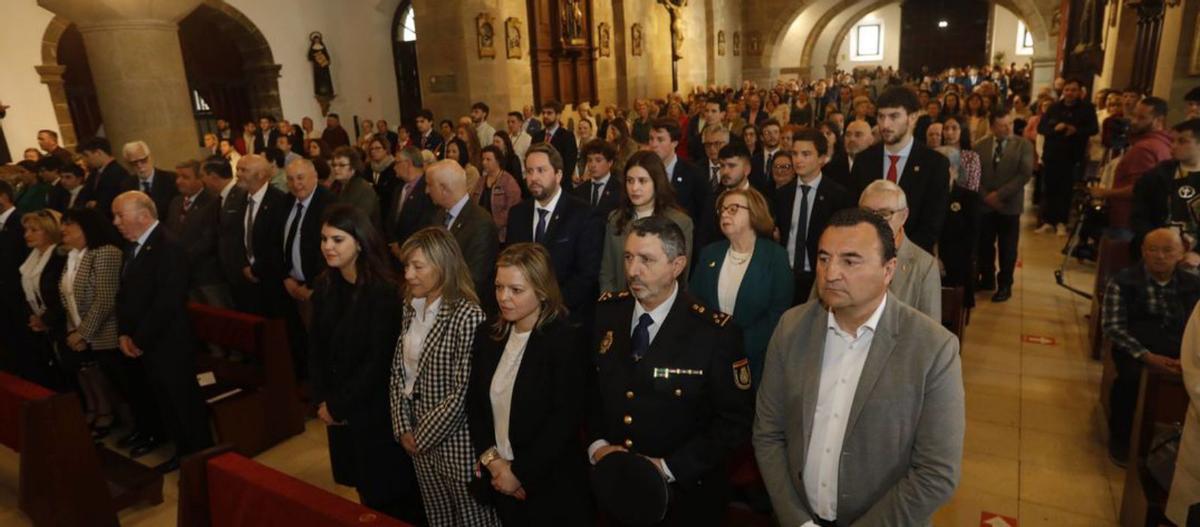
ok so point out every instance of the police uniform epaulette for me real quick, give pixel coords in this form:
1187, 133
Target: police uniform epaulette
613, 295
713, 316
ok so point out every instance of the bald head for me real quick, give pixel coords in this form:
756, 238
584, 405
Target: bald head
1162, 250
887, 200
254, 171
301, 178
858, 137
133, 213
447, 182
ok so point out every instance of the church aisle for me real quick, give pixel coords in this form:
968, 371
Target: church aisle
1035, 448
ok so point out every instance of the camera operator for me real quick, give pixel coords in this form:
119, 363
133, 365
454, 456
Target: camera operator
1151, 146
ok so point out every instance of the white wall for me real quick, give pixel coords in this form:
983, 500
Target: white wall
20, 85
1004, 37
889, 17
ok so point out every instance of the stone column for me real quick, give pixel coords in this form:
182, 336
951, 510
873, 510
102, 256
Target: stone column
137, 67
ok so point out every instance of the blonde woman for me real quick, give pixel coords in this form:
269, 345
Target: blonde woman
430, 374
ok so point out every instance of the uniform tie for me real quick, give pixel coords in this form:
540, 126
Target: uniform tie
641, 336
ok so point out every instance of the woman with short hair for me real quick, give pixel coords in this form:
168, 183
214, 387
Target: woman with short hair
430, 375
40, 277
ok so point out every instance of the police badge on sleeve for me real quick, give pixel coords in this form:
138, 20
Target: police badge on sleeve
741, 374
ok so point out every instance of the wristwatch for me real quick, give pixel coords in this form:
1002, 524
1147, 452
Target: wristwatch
489, 456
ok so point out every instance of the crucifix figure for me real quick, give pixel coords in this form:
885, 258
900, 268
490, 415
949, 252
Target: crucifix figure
675, 10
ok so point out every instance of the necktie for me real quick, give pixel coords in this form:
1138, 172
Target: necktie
129, 256
449, 219
891, 175
996, 155
641, 336
714, 176
288, 245
596, 188
249, 228
540, 231
801, 240
767, 163
187, 203
146, 186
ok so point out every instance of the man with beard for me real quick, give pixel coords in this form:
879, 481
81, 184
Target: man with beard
557, 135
858, 138
760, 176
564, 224
922, 172
1151, 146
1067, 126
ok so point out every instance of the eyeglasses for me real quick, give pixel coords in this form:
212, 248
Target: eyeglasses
886, 214
732, 208
784, 166
141, 161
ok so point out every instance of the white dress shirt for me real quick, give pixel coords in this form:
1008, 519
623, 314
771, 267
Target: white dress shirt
141, 241
4, 216
841, 366
658, 315
730, 279
903, 153
794, 228
67, 287
520, 145
454, 211
414, 339
502, 389
296, 271
74, 195
553, 204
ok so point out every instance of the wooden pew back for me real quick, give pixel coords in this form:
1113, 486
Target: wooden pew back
1162, 400
954, 316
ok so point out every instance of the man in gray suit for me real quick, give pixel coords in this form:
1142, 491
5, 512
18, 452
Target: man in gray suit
918, 281
1007, 165
472, 225
825, 405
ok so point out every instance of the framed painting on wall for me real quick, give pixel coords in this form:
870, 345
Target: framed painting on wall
636, 38
721, 43
486, 35
512, 37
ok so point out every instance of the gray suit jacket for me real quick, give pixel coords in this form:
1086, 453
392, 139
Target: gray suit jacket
918, 281
1007, 179
902, 455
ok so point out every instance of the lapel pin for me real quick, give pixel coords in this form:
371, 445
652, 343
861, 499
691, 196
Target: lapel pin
916, 168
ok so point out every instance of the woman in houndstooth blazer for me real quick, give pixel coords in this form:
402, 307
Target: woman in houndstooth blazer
430, 373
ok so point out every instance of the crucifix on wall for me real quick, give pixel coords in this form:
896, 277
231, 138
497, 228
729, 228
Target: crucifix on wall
675, 10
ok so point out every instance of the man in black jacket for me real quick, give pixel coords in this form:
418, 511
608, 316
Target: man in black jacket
1067, 126
472, 226
302, 259
157, 183
689, 182
264, 138
108, 177
565, 225
251, 244
923, 173
1164, 195
601, 188
153, 323
13, 252
714, 109
192, 219
410, 209
557, 135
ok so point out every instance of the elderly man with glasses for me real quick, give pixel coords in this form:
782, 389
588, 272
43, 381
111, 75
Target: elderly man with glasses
918, 282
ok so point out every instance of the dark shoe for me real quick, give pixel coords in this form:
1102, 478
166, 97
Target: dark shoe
985, 285
133, 438
168, 466
149, 445
101, 426
1002, 294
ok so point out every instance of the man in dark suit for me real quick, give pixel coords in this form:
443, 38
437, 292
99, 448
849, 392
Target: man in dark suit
754, 114
858, 138
265, 136
153, 323
714, 109
565, 225
50, 170
762, 162
675, 386
557, 135
192, 219
157, 183
427, 137
380, 172
601, 188
802, 210
735, 173
251, 240
302, 258
13, 252
689, 182
472, 226
923, 173
410, 209
1007, 165
108, 177
383, 129
716, 136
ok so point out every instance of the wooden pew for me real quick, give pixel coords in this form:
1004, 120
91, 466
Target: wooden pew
255, 404
65, 480
1114, 256
1162, 399
953, 313
220, 488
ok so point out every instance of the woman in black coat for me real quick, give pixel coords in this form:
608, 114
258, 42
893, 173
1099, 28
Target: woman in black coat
40, 274
355, 309
526, 399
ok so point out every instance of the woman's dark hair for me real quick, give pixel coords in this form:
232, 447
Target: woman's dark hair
757, 138
838, 147
372, 262
981, 112
964, 137
947, 108
511, 163
95, 226
351, 154
664, 193
322, 147
621, 126
464, 157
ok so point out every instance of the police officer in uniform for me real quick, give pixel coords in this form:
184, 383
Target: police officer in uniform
671, 380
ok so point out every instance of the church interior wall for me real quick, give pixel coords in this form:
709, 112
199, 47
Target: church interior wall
889, 19
1004, 37
20, 85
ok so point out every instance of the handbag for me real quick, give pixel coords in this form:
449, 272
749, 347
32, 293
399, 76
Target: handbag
1164, 448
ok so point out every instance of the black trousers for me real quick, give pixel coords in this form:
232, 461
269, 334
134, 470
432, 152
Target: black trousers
998, 233
172, 381
1122, 400
1058, 181
129, 377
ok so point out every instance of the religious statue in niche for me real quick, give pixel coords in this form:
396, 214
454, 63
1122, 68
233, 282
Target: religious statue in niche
635, 32
486, 35
675, 10
754, 44
737, 43
605, 39
573, 23
318, 55
721, 43
512, 37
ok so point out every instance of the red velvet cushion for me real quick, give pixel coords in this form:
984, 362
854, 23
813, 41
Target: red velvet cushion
15, 391
243, 493
227, 328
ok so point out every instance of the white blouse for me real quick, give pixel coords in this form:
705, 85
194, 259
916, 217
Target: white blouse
414, 339
31, 278
730, 280
67, 286
502, 388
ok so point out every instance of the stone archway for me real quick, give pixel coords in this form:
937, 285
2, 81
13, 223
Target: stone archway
259, 65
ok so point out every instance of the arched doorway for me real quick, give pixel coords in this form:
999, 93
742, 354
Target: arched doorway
231, 72
404, 55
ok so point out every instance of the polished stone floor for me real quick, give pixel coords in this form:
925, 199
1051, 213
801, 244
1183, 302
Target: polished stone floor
1034, 446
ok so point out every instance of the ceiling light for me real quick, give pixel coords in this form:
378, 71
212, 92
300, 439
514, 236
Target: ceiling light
943, 24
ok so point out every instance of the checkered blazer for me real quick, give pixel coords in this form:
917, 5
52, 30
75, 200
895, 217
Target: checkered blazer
436, 412
96, 284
